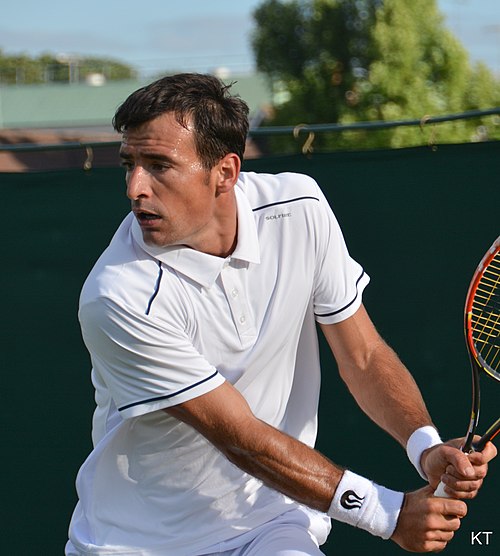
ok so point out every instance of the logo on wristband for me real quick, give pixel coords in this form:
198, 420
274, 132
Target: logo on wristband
350, 500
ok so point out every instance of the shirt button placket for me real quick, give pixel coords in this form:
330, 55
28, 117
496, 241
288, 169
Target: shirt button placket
236, 303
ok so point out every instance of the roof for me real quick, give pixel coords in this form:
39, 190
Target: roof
55, 106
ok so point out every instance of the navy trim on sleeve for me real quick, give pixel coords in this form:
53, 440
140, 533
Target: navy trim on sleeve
283, 202
167, 396
345, 306
157, 288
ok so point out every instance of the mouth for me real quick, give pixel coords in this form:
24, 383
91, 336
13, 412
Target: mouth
146, 218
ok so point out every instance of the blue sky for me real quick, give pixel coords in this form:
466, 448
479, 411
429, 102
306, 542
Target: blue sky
194, 35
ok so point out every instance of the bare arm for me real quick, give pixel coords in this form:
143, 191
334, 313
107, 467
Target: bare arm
387, 393
286, 464
302, 473
280, 461
376, 378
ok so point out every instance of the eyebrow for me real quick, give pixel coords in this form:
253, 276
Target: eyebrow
151, 156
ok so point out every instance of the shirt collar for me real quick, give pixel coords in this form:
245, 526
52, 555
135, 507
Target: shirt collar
201, 267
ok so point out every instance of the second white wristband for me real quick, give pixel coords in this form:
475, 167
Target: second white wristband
421, 439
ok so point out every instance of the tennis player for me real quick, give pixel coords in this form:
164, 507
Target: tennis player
200, 320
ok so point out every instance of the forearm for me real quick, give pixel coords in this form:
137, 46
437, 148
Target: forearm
387, 393
306, 476
288, 465
278, 460
375, 376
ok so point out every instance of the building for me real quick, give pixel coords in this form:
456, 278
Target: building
69, 114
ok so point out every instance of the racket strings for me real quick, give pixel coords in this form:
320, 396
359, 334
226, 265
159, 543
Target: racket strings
485, 316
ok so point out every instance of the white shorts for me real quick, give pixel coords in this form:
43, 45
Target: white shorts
290, 534
298, 532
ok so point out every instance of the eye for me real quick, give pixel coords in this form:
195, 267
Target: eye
159, 166
127, 164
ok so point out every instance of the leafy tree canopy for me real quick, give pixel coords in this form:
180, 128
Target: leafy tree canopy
341, 61
21, 69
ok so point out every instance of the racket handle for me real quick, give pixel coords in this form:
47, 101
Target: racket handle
440, 491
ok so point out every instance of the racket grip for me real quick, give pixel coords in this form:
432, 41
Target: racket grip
440, 491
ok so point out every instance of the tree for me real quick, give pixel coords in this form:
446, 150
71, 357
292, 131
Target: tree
315, 50
47, 68
341, 61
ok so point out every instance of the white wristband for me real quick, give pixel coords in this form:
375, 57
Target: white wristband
366, 505
420, 440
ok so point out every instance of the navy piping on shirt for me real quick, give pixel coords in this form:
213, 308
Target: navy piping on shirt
157, 288
348, 304
283, 202
167, 396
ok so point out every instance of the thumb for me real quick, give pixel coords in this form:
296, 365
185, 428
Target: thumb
461, 463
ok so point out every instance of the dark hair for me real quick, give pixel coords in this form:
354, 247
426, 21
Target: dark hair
220, 120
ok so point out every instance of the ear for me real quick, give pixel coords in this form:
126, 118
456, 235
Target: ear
228, 170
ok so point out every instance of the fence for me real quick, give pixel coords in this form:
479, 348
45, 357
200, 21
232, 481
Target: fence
417, 219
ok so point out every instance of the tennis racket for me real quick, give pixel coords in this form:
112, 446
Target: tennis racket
482, 336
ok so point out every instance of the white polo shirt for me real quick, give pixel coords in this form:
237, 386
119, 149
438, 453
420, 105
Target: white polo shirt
167, 325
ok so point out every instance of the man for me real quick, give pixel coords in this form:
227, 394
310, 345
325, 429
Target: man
200, 319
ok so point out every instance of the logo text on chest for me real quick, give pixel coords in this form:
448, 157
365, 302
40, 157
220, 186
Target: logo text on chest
279, 216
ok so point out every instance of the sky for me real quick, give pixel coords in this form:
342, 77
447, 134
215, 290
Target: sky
189, 35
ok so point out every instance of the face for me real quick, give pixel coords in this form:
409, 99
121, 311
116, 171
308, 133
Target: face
174, 198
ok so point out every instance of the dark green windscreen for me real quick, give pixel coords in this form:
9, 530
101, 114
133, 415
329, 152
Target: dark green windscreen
418, 220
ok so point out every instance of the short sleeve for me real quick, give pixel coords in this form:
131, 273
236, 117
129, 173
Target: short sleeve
339, 279
146, 364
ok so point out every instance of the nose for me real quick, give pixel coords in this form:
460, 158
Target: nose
137, 183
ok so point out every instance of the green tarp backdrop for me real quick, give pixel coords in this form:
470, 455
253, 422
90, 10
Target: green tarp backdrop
417, 219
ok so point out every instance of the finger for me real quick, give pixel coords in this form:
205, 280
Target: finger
428, 546
460, 494
463, 490
452, 523
480, 472
436, 546
437, 541
463, 465
488, 453
478, 458
445, 536
459, 461
453, 510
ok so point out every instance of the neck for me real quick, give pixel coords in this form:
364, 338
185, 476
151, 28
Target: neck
223, 235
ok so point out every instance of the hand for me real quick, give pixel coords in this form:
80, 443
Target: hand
462, 474
427, 523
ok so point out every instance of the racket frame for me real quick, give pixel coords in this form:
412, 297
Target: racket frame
476, 361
